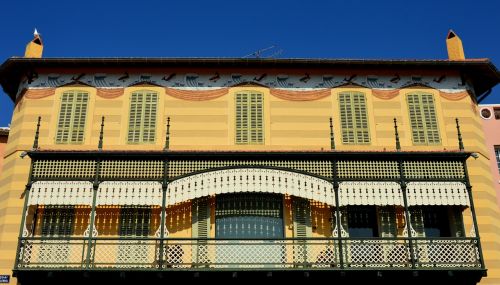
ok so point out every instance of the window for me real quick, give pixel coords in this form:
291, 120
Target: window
362, 221
437, 221
72, 116
249, 215
57, 221
423, 119
142, 121
249, 118
135, 221
353, 118
497, 155
496, 111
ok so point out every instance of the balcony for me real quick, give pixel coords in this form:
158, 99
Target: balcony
91, 181
268, 254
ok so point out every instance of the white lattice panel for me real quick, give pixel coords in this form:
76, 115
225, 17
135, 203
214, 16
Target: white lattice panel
126, 254
250, 180
437, 193
52, 254
60, 193
370, 193
447, 253
129, 193
376, 253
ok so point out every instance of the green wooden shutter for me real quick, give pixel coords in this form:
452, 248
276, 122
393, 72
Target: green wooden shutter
72, 117
249, 118
456, 222
200, 218
142, 120
423, 119
387, 221
417, 221
58, 221
354, 118
135, 221
301, 218
241, 119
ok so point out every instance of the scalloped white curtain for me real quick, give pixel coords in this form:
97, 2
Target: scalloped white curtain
250, 180
148, 193
60, 193
370, 193
437, 193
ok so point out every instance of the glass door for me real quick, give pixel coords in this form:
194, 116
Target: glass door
253, 225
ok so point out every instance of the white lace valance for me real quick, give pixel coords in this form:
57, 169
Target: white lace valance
437, 193
60, 193
148, 193
370, 193
250, 180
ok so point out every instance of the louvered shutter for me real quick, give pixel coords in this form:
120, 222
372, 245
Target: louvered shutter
249, 118
417, 221
456, 222
423, 119
301, 218
387, 221
241, 119
256, 124
143, 114
72, 117
200, 229
200, 218
430, 119
58, 221
354, 118
135, 221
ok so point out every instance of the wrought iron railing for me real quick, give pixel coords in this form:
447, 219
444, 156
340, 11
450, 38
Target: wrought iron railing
200, 254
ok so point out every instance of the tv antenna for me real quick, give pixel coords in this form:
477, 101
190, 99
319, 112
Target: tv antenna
260, 53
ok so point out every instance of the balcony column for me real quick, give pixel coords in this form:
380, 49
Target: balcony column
163, 212
164, 195
22, 229
337, 212
473, 212
95, 186
402, 182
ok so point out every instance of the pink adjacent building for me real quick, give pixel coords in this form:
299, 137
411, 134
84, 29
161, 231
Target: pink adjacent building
491, 124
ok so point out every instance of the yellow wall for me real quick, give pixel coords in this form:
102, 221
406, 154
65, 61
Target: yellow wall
209, 125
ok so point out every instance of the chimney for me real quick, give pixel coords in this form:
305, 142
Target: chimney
454, 46
34, 49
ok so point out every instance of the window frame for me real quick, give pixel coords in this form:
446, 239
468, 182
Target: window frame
140, 120
259, 130
71, 129
425, 129
496, 151
356, 118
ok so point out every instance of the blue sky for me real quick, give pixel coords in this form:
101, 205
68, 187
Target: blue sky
307, 29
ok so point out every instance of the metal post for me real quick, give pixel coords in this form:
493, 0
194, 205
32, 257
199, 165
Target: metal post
92, 210
26, 194
332, 137
402, 182
167, 137
37, 134
101, 135
398, 144
473, 212
163, 214
337, 211
459, 134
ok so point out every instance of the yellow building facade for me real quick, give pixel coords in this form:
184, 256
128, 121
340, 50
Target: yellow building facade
231, 166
